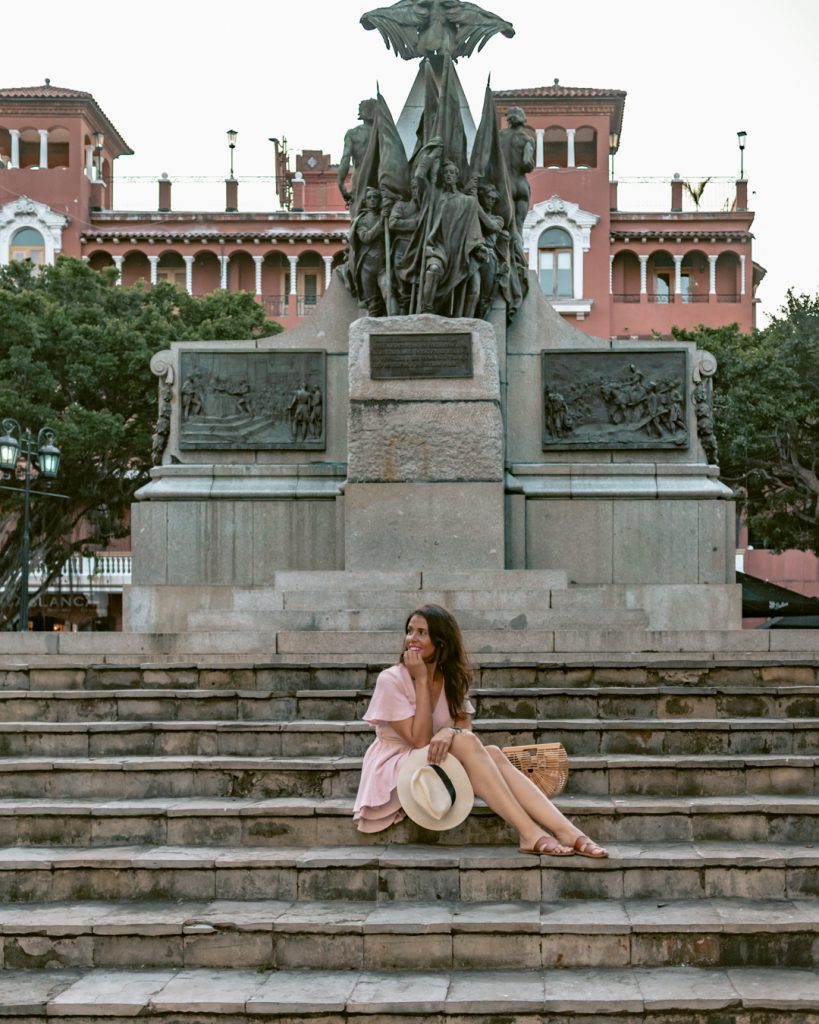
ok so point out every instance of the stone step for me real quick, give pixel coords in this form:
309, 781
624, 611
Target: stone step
229, 738
218, 776
306, 821
389, 619
255, 645
149, 703
667, 995
404, 601
388, 873
446, 935
670, 673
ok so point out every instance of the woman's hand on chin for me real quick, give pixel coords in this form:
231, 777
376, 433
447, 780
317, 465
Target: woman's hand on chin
416, 666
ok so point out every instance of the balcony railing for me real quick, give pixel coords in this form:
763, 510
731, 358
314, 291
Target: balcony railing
283, 305
275, 305
103, 570
670, 299
649, 194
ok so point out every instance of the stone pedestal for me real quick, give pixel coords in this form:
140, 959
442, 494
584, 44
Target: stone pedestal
425, 452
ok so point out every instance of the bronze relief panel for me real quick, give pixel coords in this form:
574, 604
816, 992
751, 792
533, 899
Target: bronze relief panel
252, 400
622, 399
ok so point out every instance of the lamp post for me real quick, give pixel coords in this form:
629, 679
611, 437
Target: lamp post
231, 146
16, 443
614, 145
741, 136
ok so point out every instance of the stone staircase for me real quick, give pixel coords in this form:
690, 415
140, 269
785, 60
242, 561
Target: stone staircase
177, 842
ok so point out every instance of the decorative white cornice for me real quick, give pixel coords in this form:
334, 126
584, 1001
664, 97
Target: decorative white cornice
556, 211
24, 212
561, 213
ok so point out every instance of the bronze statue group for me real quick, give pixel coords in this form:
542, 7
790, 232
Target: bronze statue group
436, 231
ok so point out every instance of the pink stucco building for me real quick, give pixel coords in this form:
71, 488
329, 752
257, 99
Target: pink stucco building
621, 259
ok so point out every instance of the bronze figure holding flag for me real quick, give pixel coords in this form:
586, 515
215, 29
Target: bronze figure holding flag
434, 227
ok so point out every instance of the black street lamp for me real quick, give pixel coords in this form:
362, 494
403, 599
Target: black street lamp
231, 146
14, 445
741, 136
614, 145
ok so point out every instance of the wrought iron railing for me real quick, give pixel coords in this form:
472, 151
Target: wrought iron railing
626, 296
728, 297
283, 305
275, 305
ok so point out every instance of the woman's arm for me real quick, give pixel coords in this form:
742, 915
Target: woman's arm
417, 731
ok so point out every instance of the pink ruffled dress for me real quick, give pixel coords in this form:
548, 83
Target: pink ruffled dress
377, 805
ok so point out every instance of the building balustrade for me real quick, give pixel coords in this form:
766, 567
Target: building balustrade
81, 571
661, 299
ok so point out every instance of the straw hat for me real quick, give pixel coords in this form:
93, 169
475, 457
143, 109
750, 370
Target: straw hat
436, 796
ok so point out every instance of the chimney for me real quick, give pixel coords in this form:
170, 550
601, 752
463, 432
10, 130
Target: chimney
742, 194
297, 186
164, 193
676, 194
231, 195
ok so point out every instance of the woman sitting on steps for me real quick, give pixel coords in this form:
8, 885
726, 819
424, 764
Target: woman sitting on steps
423, 701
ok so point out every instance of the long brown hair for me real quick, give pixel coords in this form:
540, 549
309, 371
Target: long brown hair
445, 634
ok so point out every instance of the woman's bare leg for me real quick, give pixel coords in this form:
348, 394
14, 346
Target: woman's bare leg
533, 801
492, 787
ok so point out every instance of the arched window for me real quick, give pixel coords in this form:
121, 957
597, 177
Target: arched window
585, 147
27, 244
554, 259
555, 147
58, 147
29, 148
661, 277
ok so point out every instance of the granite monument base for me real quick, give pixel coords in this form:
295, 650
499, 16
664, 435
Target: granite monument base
425, 446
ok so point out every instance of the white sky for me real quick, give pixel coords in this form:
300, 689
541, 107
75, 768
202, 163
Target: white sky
174, 75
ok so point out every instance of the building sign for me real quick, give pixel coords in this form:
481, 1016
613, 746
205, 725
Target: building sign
252, 400
64, 601
615, 399
417, 356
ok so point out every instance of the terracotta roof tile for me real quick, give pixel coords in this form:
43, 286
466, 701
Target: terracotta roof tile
47, 91
44, 92
560, 91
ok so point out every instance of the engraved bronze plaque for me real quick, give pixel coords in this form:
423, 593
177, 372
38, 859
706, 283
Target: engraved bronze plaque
252, 399
614, 399
419, 356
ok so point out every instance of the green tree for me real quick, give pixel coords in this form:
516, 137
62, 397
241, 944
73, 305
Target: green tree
74, 355
766, 409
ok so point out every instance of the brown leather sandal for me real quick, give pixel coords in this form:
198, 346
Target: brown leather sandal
589, 848
548, 846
